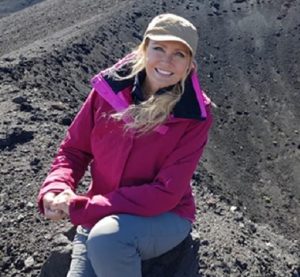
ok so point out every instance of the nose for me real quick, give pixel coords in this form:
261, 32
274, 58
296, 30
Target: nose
167, 58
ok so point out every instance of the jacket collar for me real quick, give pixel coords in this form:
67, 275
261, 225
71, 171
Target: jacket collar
136, 91
191, 104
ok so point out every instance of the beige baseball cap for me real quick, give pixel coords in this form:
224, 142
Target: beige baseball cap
171, 27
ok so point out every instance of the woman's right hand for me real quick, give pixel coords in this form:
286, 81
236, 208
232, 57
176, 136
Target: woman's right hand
49, 211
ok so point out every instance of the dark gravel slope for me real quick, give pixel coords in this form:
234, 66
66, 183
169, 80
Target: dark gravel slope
247, 187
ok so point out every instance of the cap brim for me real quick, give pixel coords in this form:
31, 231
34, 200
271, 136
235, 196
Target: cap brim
169, 38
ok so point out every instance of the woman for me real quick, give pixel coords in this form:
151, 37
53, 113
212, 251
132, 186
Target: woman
142, 130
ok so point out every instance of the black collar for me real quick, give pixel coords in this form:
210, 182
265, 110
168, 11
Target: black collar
137, 93
186, 107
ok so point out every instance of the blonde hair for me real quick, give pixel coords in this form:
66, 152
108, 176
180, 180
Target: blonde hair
156, 109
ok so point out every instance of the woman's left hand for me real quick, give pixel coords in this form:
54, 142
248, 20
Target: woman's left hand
62, 201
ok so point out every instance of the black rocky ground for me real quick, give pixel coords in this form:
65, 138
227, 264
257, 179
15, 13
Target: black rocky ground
247, 185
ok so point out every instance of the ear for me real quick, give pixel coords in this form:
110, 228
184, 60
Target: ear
192, 67
146, 43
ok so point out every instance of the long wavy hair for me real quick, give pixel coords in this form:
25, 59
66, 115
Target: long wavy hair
152, 112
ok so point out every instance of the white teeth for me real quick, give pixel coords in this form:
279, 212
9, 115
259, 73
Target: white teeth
164, 72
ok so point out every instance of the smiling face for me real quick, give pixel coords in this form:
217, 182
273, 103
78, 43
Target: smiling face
167, 62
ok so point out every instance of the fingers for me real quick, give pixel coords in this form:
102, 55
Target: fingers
61, 206
48, 200
61, 198
64, 196
67, 194
51, 209
61, 202
54, 214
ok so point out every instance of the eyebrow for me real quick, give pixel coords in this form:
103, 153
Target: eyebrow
177, 49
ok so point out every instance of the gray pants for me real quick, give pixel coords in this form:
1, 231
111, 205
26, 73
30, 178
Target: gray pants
115, 246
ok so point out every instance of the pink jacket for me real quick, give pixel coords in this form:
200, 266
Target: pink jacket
141, 175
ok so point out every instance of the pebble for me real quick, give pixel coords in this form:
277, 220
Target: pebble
204, 242
30, 205
5, 262
47, 237
238, 216
19, 100
29, 262
269, 244
242, 265
233, 209
58, 106
20, 217
195, 235
251, 226
60, 240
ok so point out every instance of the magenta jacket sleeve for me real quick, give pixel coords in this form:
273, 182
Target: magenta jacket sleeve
74, 153
162, 195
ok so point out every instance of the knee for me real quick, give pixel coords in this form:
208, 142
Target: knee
106, 238
102, 235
